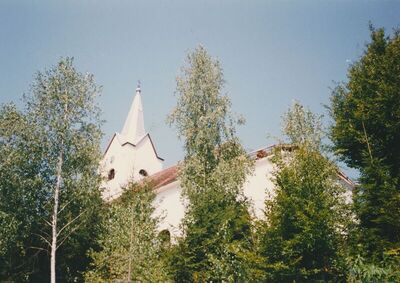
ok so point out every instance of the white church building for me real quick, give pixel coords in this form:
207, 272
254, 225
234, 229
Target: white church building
131, 155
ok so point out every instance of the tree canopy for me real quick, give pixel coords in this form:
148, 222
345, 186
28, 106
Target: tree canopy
50, 153
302, 236
216, 227
130, 248
366, 135
366, 109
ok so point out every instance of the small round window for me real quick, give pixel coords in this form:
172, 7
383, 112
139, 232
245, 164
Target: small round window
143, 173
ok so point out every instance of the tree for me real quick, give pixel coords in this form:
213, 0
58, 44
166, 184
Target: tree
51, 159
130, 249
366, 135
303, 234
216, 240
19, 198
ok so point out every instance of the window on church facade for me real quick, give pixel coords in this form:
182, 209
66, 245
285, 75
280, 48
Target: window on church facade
111, 174
143, 173
165, 237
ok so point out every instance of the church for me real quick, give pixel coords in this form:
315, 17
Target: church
132, 155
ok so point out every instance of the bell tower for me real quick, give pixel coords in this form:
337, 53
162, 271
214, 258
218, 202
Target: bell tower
130, 155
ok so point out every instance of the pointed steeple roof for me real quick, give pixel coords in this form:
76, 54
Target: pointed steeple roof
133, 128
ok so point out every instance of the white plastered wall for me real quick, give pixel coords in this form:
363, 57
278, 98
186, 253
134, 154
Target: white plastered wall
170, 207
259, 186
127, 160
146, 158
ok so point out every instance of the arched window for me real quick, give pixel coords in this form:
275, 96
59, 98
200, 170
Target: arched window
143, 173
165, 237
111, 174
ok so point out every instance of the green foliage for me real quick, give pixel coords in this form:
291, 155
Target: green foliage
20, 196
129, 246
303, 127
303, 234
377, 205
366, 135
366, 110
217, 240
60, 116
387, 270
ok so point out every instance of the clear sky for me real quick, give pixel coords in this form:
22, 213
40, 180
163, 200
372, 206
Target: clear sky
272, 52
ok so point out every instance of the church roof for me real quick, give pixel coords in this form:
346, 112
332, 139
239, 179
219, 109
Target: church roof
122, 141
170, 175
133, 132
164, 177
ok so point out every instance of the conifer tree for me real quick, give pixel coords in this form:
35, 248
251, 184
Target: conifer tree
366, 135
303, 234
216, 242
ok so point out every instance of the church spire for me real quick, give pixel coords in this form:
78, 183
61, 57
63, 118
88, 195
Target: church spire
133, 128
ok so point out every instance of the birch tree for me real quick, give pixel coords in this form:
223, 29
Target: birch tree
217, 225
52, 151
63, 110
21, 199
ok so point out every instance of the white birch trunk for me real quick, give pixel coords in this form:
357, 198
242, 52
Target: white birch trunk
130, 252
54, 220
54, 232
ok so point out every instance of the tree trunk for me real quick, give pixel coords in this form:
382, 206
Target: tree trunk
54, 232
130, 252
54, 220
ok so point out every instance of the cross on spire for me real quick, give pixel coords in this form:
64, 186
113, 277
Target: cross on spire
138, 87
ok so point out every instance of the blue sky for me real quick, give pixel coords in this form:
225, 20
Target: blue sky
272, 52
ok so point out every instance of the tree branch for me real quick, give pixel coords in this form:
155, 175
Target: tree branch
70, 222
366, 139
64, 206
69, 234
43, 238
45, 221
39, 249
